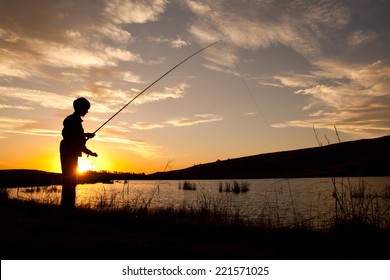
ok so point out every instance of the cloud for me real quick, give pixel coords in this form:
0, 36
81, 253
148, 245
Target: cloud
15, 64
197, 119
176, 43
37, 97
40, 132
85, 48
128, 11
146, 125
360, 38
114, 131
16, 125
298, 25
114, 33
355, 98
142, 148
178, 122
26, 108
106, 99
13, 123
179, 43
174, 92
72, 35
129, 76
222, 59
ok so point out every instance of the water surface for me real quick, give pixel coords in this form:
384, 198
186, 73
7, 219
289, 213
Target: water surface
284, 201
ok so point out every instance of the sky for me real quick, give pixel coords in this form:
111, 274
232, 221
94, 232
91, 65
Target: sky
287, 75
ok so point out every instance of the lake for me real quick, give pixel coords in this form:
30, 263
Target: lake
282, 201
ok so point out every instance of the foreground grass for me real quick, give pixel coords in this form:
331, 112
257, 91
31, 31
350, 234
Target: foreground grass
35, 231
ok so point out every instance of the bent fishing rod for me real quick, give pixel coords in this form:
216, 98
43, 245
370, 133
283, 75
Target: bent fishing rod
162, 76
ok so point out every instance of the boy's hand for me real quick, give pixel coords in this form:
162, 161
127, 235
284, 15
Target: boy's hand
89, 135
93, 154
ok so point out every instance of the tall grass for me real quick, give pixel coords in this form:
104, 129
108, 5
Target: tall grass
355, 203
359, 203
4, 193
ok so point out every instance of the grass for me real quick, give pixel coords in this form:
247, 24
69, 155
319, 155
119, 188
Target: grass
353, 203
32, 230
210, 228
359, 204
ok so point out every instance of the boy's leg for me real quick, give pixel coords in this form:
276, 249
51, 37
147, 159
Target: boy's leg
69, 178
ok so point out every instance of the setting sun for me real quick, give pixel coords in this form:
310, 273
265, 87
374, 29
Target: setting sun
84, 164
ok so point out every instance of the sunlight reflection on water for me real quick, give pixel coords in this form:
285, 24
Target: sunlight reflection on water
281, 200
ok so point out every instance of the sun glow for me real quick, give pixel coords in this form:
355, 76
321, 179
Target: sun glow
84, 165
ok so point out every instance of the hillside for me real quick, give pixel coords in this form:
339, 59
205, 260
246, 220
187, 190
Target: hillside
27, 177
366, 157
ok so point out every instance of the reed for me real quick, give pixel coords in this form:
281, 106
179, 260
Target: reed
354, 203
188, 186
4, 193
235, 187
359, 203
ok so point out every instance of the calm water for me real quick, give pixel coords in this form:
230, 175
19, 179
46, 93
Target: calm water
282, 200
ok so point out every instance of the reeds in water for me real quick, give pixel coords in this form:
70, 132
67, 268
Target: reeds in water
4, 193
188, 186
234, 187
359, 203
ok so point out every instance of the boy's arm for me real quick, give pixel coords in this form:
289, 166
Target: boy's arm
89, 152
85, 149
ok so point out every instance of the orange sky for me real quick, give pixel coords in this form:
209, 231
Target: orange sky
280, 71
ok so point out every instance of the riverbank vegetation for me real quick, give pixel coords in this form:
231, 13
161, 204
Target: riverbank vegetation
210, 229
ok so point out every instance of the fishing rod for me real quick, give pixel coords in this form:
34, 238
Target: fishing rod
162, 76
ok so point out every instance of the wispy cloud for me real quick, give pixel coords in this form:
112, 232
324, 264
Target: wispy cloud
38, 132
298, 25
146, 125
126, 11
331, 56
179, 43
70, 35
341, 86
197, 119
176, 43
360, 38
142, 148
174, 92
15, 125
5, 106
356, 98
178, 122
37, 97
107, 99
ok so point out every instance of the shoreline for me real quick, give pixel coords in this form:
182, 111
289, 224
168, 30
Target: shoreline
36, 231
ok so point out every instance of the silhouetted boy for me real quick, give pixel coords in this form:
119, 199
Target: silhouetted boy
71, 147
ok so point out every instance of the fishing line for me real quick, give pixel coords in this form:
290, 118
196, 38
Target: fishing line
256, 104
246, 85
260, 114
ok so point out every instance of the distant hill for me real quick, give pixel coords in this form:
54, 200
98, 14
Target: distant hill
28, 177
359, 158
366, 157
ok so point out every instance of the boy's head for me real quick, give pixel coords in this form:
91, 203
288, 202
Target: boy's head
81, 106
